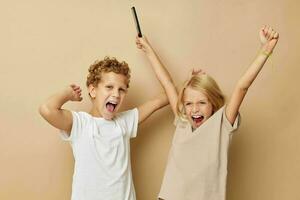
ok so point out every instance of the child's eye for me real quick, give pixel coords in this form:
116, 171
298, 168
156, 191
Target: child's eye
122, 90
202, 102
188, 104
109, 86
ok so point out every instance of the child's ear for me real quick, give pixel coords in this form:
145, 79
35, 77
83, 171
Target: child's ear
92, 91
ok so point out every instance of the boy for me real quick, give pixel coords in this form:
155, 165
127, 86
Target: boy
100, 138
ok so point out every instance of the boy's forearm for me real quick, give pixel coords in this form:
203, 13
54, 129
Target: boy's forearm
161, 72
56, 101
151, 106
52, 112
161, 101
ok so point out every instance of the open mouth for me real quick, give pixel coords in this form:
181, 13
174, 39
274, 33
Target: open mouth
111, 106
197, 118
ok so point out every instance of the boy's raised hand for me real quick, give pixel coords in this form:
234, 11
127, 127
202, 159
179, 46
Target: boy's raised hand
52, 110
143, 44
268, 39
74, 92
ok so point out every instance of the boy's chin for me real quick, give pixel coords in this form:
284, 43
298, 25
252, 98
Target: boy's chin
108, 116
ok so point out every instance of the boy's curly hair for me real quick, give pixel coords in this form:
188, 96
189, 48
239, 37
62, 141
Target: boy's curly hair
107, 65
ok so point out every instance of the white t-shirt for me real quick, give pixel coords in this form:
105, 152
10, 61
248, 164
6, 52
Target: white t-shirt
101, 150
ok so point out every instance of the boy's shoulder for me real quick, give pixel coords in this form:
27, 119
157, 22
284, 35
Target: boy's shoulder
81, 114
127, 114
81, 117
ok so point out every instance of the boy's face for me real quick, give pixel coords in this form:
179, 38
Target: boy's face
197, 107
109, 94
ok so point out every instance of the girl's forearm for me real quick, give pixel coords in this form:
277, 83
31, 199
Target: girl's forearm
253, 70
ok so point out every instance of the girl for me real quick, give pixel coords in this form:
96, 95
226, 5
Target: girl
197, 162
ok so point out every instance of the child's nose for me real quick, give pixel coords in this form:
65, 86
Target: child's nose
195, 108
116, 93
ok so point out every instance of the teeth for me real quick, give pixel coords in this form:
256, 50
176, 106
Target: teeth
196, 116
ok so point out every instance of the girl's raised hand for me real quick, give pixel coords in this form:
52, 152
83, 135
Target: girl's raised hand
268, 39
74, 92
197, 71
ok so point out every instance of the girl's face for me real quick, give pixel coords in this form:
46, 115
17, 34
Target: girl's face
197, 106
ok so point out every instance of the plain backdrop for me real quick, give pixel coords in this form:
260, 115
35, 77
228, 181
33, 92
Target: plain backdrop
46, 45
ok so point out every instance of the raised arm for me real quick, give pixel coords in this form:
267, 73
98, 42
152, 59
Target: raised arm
269, 39
161, 72
146, 109
52, 112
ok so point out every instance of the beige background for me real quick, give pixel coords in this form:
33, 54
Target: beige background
45, 45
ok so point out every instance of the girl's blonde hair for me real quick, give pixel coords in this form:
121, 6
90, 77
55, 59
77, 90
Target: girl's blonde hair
203, 83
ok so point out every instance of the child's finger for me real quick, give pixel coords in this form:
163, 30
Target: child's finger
72, 85
195, 71
269, 33
78, 91
272, 35
143, 40
198, 71
78, 94
76, 88
276, 35
140, 39
265, 30
137, 40
262, 33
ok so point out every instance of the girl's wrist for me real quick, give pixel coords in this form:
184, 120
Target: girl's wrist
265, 52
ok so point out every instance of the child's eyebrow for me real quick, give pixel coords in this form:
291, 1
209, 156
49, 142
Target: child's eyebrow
196, 101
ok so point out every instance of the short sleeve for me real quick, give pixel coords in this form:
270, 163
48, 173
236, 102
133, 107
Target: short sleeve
228, 126
176, 119
129, 120
76, 128
180, 122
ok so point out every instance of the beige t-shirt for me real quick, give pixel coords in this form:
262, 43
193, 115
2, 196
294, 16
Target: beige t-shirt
197, 162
